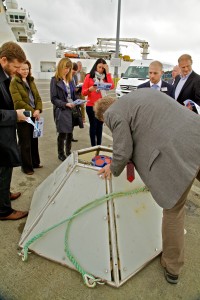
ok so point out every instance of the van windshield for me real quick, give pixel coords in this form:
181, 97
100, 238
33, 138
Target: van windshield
137, 72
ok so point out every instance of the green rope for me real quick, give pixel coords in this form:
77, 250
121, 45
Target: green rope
88, 279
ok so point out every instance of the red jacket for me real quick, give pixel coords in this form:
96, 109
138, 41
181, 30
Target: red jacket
93, 96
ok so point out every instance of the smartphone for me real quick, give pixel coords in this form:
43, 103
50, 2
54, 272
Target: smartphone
27, 113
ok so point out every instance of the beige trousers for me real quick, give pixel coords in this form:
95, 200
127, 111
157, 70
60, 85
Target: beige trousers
173, 234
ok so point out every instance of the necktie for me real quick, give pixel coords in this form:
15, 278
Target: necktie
154, 86
130, 171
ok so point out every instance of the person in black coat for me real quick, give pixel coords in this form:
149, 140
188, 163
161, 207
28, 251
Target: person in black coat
66, 114
156, 82
187, 86
11, 58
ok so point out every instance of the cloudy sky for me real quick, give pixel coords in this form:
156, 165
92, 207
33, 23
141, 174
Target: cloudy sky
170, 27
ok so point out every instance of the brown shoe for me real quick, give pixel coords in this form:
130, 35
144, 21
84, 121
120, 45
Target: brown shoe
14, 196
15, 215
29, 173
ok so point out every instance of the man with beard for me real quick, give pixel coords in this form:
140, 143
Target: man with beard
11, 58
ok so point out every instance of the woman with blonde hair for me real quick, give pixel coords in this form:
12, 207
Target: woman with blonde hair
66, 114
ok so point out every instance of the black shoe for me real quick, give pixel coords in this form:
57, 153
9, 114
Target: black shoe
73, 140
173, 279
62, 157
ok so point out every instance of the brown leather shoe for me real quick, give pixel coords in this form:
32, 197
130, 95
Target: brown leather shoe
14, 196
15, 215
29, 173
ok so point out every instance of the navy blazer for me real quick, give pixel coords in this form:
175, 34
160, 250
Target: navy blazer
190, 90
170, 91
8, 119
63, 114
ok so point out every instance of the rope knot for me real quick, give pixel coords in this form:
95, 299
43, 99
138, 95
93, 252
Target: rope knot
91, 281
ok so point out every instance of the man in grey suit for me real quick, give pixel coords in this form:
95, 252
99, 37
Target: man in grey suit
161, 138
156, 82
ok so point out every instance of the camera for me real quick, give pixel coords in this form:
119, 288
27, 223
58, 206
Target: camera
27, 113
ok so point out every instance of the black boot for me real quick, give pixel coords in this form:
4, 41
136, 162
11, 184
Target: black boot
68, 143
60, 144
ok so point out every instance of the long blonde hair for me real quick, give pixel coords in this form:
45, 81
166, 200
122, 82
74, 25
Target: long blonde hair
63, 63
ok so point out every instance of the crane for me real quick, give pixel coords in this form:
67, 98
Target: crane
141, 43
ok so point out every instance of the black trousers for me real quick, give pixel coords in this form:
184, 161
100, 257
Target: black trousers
28, 147
5, 180
96, 127
64, 141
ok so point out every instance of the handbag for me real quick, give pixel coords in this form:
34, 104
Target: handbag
77, 117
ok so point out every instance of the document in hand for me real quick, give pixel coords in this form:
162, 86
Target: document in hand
103, 86
79, 101
192, 105
38, 128
79, 85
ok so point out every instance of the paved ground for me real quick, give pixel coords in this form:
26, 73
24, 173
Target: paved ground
40, 279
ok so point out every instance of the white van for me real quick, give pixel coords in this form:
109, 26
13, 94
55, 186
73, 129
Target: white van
136, 74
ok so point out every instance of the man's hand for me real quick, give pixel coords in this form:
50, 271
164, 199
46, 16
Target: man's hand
20, 115
105, 172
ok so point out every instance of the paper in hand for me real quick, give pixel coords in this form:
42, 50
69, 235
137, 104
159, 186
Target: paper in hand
79, 101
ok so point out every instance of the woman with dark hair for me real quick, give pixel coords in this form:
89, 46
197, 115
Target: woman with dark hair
66, 114
98, 74
25, 95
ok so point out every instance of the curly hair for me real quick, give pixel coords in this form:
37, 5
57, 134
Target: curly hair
102, 105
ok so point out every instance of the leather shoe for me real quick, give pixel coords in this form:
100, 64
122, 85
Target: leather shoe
74, 140
15, 215
14, 196
62, 157
171, 278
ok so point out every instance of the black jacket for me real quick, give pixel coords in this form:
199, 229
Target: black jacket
63, 115
190, 90
9, 156
168, 89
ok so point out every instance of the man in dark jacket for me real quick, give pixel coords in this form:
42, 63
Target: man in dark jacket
156, 82
187, 85
11, 57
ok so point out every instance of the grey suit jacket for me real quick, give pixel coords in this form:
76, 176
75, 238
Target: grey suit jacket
161, 137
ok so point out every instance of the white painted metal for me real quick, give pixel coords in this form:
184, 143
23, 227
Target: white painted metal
138, 221
112, 241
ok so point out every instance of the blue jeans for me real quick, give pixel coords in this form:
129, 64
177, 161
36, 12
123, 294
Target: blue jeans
96, 127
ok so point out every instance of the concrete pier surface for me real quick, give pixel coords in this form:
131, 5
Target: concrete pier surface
41, 279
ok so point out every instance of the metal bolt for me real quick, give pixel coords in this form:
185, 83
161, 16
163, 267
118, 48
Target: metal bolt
156, 249
106, 271
105, 218
124, 269
117, 216
53, 202
77, 170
